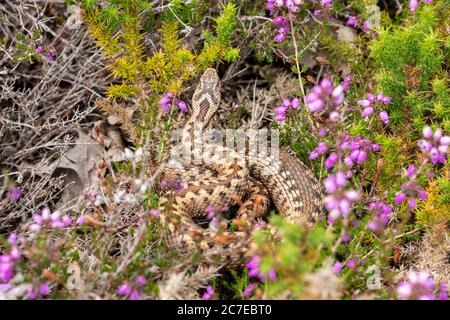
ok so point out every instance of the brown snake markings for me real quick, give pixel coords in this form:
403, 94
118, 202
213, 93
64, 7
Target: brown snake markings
290, 185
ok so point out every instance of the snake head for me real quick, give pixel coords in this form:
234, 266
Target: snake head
210, 78
206, 98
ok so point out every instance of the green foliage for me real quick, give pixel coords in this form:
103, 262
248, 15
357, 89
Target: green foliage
117, 28
409, 60
300, 253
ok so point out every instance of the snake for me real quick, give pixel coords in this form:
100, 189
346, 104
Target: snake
226, 177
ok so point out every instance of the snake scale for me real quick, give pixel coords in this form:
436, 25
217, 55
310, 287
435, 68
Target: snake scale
226, 177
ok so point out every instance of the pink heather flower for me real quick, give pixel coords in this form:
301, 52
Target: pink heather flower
366, 25
337, 267
279, 21
351, 264
39, 50
182, 106
317, 12
12, 239
124, 289
321, 148
253, 266
280, 38
419, 286
295, 103
31, 294
376, 147
346, 83
345, 238
154, 212
400, 197
352, 22
427, 132
371, 97
166, 100
367, 112
141, 281
380, 216
435, 146
364, 103
133, 291
384, 117
14, 254
67, 221
387, 100
272, 275
209, 293
15, 193
411, 170
322, 94
44, 289
80, 220
413, 4
326, 3
249, 289
331, 160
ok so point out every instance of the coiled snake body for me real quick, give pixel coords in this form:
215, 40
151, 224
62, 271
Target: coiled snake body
225, 177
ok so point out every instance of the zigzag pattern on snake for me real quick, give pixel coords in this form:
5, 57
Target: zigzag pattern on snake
251, 180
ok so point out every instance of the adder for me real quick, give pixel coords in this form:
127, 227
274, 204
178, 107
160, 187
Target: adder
227, 177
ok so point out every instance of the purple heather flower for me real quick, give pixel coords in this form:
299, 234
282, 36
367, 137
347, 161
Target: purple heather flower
154, 212
12, 239
209, 293
351, 264
366, 25
364, 103
49, 220
435, 146
44, 289
15, 193
400, 197
166, 100
337, 267
380, 216
279, 20
352, 22
250, 288
39, 50
67, 221
80, 220
413, 4
280, 38
317, 13
253, 266
346, 83
419, 286
387, 100
367, 112
411, 170
272, 275
326, 3
141, 281
124, 290
182, 106
133, 291
427, 132
384, 117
